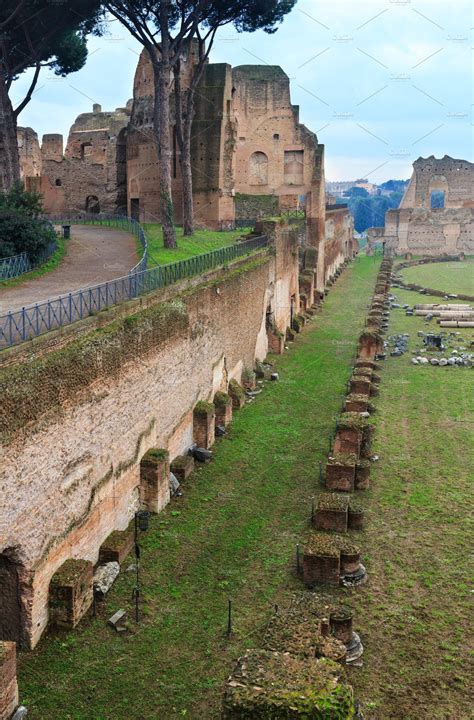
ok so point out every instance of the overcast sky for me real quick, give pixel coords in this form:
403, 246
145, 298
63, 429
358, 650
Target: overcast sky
381, 82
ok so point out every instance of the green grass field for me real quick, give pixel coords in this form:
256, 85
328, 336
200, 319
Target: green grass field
450, 277
414, 612
233, 533
202, 241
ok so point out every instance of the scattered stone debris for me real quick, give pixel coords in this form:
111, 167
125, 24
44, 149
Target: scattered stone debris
104, 578
174, 485
200, 454
117, 621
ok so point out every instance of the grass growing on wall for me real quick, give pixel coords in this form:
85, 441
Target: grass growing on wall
201, 242
51, 264
232, 534
450, 277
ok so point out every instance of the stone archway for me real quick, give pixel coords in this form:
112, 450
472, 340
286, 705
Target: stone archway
11, 620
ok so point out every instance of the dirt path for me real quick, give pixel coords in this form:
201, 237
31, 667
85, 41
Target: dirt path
94, 255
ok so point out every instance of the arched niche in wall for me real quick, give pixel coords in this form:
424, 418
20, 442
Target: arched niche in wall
294, 167
258, 169
92, 204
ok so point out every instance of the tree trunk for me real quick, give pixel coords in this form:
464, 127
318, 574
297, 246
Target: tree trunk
186, 170
9, 159
161, 124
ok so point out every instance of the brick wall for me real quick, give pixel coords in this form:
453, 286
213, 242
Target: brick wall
70, 471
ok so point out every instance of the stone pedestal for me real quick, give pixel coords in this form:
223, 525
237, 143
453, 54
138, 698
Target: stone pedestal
8, 683
340, 475
116, 546
356, 403
70, 593
223, 409
348, 440
320, 569
331, 513
155, 480
340, 622
237, 394
182, 467
360, 385
204, 416
369, 345
276, 342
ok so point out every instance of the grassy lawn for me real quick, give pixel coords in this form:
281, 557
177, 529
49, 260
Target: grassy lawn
232, 534
450, 277
202, 241
46, 267
414, 612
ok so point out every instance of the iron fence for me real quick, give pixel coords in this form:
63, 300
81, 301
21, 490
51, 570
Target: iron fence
14, 266
29, 322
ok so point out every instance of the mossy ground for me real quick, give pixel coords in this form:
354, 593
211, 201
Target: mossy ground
202, 241
450, 277
233, 533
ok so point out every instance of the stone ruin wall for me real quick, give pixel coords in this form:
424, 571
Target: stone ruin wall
416, 228
89, 175
454, 177
275, 153
70, 472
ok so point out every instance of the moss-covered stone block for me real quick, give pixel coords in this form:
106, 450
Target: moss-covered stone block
155, 479
70, 593
340, 472
331, 512
321, 561
223, 409
204, 416
237, 394
269, 685
116, 546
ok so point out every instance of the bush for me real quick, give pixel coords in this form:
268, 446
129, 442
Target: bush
22, 229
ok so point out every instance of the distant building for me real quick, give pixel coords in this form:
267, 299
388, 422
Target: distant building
436, 214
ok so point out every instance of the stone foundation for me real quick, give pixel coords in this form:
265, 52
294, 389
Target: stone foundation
117, 546
340, 474
204, 417
223, 406
154, 479
8, 682
70, 593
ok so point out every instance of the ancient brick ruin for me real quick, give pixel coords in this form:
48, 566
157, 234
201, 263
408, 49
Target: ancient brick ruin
436, 214
246, 140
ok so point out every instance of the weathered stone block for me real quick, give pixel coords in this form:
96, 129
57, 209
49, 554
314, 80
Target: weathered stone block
321, 562
360, 385
340, 474
155, 479
237, 394
8, 682
362, 476
182, 467
276, 342
204, 417
223, 409
248, 379
276, 685
348, 440
356, 403
116, 546
70, 593
331, 513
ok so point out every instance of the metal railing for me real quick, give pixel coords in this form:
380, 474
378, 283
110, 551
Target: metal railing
29, 322
13, 266
119, 221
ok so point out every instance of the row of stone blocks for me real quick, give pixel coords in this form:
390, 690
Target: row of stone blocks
332, 558
71, 587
